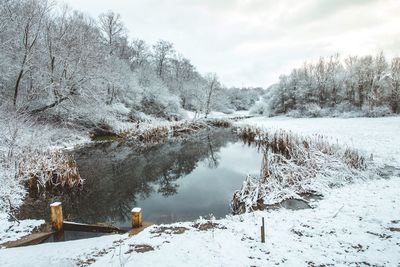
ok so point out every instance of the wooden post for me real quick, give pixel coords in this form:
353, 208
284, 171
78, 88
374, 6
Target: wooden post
262, 231
57, 219
136, 217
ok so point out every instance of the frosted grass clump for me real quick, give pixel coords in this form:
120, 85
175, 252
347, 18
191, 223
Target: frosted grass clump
295, 165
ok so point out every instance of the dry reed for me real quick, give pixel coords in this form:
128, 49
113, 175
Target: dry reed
47, 170
294, 165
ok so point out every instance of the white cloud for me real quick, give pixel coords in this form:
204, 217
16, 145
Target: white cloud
251, 42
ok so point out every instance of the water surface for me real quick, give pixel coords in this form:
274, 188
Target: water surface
178, 180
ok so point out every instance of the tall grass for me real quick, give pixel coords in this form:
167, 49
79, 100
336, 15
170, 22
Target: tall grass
47, 170
177, 129
294, 165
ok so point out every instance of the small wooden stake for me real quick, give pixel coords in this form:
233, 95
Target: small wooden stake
136, 217
263, 231
57, 219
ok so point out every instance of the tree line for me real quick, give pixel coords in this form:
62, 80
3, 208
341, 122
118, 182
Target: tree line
60, 61
366, 84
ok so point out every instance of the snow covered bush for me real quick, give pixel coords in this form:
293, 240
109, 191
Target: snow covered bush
295, 165
11, 189
159, 102
374, 112
24, 158
227, 111
243, 98
312, 110
260, 108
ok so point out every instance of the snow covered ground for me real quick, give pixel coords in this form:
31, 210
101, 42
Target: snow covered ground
190, 115
379, 136
356, 225
345, 229
10, 230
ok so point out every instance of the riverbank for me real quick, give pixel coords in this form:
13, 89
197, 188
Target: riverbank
33, 137
345, 228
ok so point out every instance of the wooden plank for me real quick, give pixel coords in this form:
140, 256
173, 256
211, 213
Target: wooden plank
137, 230
32, 239
71, 226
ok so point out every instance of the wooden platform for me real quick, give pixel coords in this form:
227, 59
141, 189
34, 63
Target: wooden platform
32, 239
37, 238
135, 231
98, 228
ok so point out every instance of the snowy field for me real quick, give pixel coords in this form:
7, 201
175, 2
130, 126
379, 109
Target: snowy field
377, 136
356, 225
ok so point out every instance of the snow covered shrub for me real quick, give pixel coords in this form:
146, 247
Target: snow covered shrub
374, 112
295, 165
345, 107
295, 114
11, 190
220, 123
227, 111
154, 134
311, 110
102, 132
260, 108
120, 108
157, 101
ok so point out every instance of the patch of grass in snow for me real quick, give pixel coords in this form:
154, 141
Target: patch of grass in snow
156, 133
294, 165
43, 171
39, 171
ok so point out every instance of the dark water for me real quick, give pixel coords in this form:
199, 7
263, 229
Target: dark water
174, 181
71, 235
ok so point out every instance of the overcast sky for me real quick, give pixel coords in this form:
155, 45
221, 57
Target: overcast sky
252, 42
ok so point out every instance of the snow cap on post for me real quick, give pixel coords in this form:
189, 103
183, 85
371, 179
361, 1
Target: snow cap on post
136, 217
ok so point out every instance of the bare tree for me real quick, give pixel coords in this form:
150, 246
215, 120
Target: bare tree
32, 19
112, 28
212, 85
140, 53
162, 51
395, 85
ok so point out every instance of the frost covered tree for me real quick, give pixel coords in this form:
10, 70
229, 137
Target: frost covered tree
162, 53
59, 63
366, 84
242, 98
112, 28
394, 99
140, 54
211, 87
28, 18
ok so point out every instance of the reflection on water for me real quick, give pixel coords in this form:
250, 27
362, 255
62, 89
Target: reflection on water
174, 181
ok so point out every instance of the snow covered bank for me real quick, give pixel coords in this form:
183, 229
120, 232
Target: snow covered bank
379, 136
294, 165
345, 229
10, 230
26, 153
330, 234
20, 138
355, 225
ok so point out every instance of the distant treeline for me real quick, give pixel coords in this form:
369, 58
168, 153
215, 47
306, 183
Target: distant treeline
369, 85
